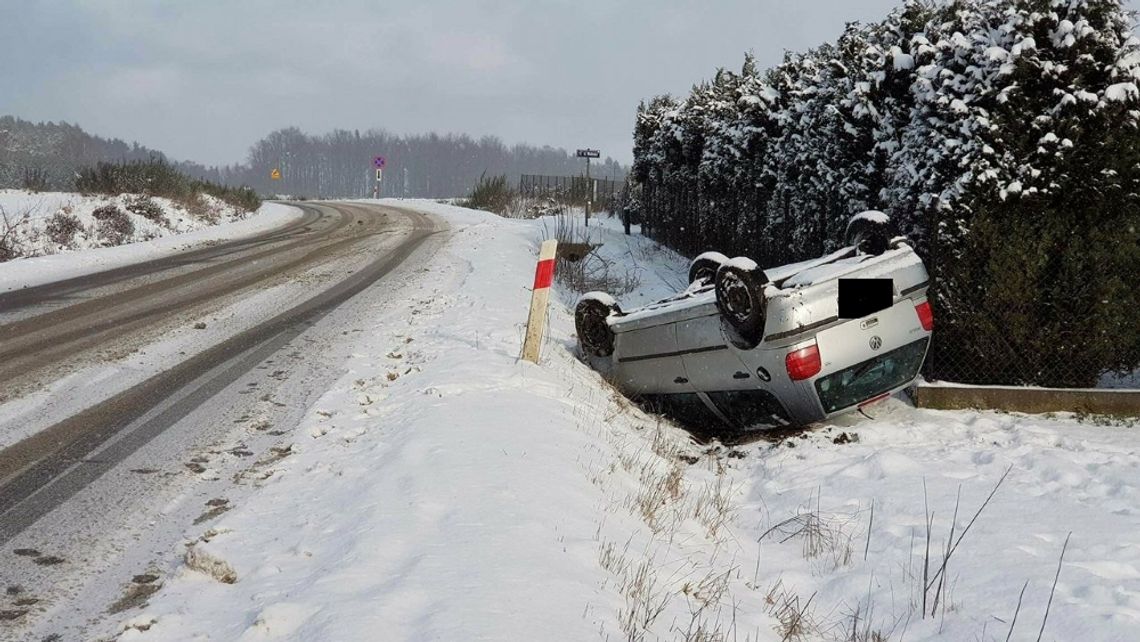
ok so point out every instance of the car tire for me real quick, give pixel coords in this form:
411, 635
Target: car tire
705, 266
740, 299
869, 233
595, 337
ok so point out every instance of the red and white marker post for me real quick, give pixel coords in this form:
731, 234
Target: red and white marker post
539, 297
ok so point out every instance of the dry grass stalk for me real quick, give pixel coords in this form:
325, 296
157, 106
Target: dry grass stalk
820, 534
1052, 590
714, 507
951, 547
1017, 610
870, 524
796, 622
926, 556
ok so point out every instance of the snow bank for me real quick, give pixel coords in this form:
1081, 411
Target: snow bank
30, 214
52, 263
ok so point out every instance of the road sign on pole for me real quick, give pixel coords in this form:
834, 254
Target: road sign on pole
379, 162
275, 174
588, 154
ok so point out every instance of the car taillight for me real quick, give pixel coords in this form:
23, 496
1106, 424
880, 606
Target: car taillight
925, 315
803, 363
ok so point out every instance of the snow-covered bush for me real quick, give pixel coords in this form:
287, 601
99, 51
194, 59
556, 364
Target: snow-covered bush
157, 177
115, 227
491, 193
8, 229
62, 227
1001, 135
146, 208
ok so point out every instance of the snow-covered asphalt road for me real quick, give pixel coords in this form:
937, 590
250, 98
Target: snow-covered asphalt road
148, 363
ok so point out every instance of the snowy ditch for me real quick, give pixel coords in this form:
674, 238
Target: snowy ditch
443, 489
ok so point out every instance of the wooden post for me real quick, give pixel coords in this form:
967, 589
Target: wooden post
539, 297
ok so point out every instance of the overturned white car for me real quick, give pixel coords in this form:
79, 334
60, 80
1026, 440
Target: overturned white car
788, 345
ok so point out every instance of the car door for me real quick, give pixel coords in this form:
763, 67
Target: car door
710, 364
647, 361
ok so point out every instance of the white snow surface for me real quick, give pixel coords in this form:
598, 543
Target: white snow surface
1121, 92
743, 263
874, 216
601, 297
820, 273
901, 60
51, 263
1120, 380
443, 489
782, 272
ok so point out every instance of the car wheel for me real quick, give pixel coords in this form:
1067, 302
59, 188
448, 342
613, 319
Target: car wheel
595, 337
705, 266
869, 232
740, 298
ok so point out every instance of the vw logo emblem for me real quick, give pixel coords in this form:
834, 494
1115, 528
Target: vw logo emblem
876, 342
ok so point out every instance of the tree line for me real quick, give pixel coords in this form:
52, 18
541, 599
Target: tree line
1000, 135
339, 163
49, 155
333, 165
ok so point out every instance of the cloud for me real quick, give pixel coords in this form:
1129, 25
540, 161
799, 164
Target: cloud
203, 80
472, 52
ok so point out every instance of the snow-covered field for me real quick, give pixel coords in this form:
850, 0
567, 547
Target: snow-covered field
443, 489
42, 260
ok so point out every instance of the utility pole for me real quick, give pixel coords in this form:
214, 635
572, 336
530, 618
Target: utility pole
588, 154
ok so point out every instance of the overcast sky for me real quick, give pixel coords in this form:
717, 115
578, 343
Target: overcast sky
203, 79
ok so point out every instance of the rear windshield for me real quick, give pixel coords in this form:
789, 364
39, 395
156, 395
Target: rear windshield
863, 381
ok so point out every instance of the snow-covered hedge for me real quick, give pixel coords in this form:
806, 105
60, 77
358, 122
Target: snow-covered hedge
1001, 135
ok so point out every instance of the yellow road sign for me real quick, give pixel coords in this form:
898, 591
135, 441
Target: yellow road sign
275, 174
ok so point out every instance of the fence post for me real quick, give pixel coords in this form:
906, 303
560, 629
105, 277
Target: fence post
539, 297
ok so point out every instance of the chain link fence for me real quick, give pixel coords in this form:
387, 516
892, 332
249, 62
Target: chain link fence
1013, 310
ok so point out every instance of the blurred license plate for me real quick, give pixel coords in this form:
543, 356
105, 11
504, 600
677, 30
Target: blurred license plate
861, 297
